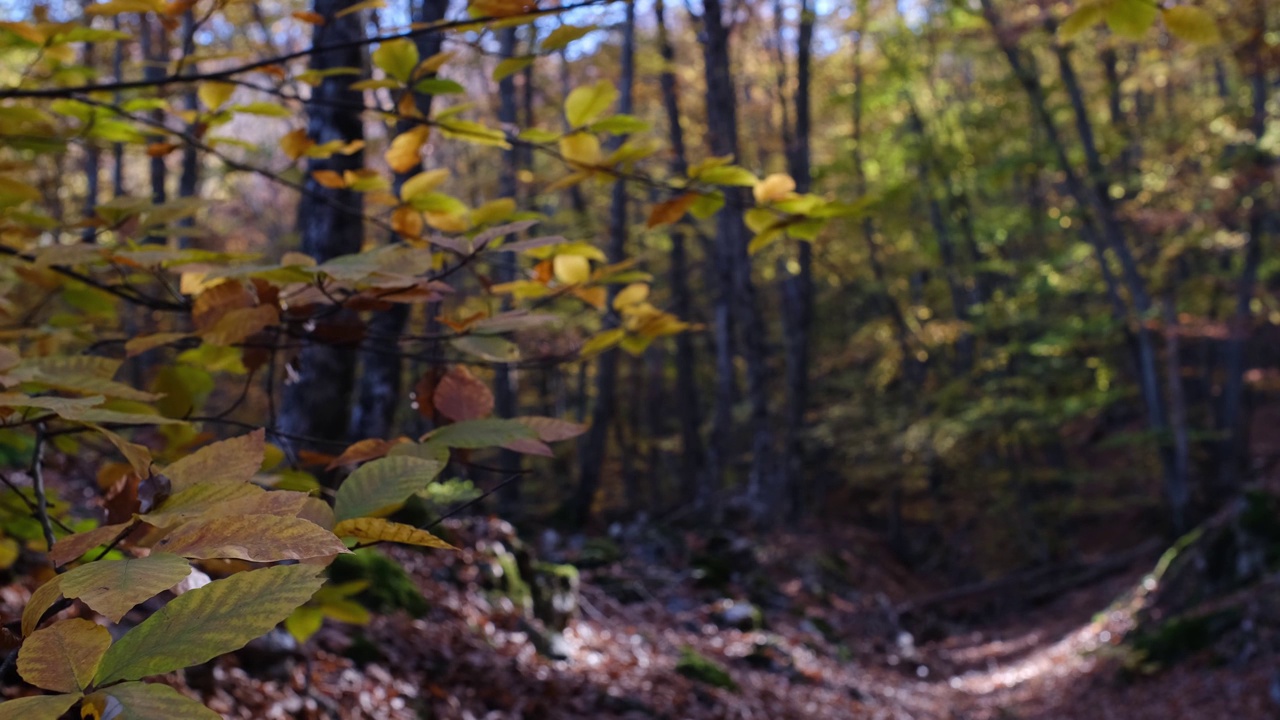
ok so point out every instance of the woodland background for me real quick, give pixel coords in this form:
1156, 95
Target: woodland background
785, 358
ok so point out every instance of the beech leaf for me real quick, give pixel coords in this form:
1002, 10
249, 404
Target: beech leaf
219, 618
64, 656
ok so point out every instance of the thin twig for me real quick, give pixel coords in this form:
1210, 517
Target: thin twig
42, 499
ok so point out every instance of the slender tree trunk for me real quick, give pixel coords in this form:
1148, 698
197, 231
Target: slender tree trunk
189, 180
687, 404
1262, 224
1108, 235
117, 149
736, 302
92, 157
155, 53
330, 223
379, 388
505, 390
594, 444
797, 287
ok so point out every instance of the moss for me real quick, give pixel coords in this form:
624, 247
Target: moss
555, 594
598, 552
704, 670
1179, 638
513, 583
390, 587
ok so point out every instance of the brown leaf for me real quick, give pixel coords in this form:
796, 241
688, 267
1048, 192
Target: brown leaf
233, 460
424, 392
257, 538
64, 656
73, 546
461, 396
665, 213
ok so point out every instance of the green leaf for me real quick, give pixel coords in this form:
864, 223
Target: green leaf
382, 485
1131, 18
39, 707
235, 460
397, 58
253, 537
304, 622
213, 620
473, 434
619, 125
510, 66
148, 701
585, 104
263, 108
114, 587
64, 656
563, 35
728, 175
1083, 18
538, 135
438, 86
1193, 24
472, 132
707, 205
487, 347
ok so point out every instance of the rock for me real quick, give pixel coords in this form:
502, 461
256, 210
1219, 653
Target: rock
704, 670
555, 594
739, 615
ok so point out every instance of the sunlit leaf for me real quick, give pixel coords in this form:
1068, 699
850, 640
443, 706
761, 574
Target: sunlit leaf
209, 621
1131, 18
397, 58
64, 656
382, 485
510, 66
379, 530
1193, 24
405, 152
586, 104
114, 587
564, 35
148, 701
256, 538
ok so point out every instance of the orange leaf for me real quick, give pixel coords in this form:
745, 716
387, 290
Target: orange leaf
665, 213
329, 179
311, 18
461, 396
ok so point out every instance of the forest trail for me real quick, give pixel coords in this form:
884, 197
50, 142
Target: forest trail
470, 656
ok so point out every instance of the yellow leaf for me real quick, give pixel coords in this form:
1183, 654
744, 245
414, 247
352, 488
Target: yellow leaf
114, 587
580, 150
447, 222
407, 222
630, 296
1131, 18
510, 66
254, 537
423, 183
379, 530
501, 8
405, 152
215, 94
366, 5
434, 63
493, 211
571, 269
564, 35
777, 186
233, 460
64, 656
397, 58
1083, 18
329, 179
296, 143
601, 342
586, 104
116, 7
1193, 24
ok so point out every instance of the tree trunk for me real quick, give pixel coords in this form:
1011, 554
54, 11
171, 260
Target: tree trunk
797, 287
687, 405
594, 444
735, 303
155, 55
330, 223
379, 390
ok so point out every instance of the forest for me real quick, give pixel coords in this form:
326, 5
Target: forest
524, 359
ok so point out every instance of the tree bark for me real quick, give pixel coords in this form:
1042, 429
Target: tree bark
797, 287
381, 369
687, 404
330, 223
594, 444
735, 305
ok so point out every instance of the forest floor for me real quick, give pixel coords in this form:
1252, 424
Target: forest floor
831, 645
